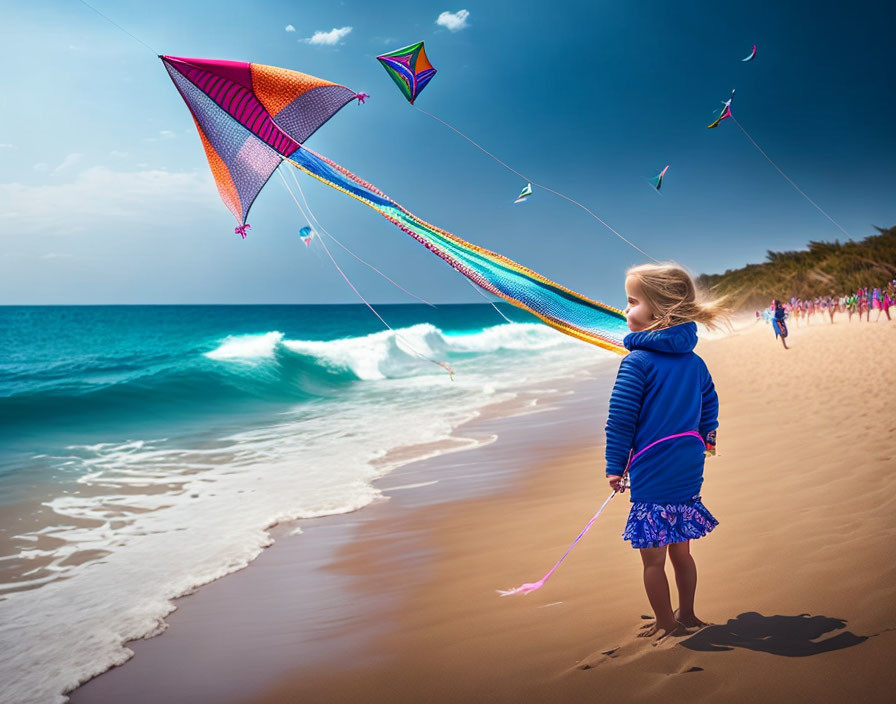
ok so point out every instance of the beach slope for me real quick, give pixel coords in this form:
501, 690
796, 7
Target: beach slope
798, 577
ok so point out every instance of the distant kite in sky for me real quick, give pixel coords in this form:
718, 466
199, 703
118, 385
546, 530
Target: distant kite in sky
306, 234
409, 68
524, 194
726, 112
751, 56
252, 118
657, 180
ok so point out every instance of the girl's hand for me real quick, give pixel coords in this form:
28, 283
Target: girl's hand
616, 483
711, 443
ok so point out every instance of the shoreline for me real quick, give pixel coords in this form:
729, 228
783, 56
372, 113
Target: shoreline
787, 576
304, 552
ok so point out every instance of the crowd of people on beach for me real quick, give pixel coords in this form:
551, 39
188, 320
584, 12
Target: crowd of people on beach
861, 303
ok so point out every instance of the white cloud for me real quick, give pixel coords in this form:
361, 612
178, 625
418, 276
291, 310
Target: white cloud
100, 195
7, 146
290, 28
163, 136
454, 21
117, 154
40, 166
334, 36
69, 161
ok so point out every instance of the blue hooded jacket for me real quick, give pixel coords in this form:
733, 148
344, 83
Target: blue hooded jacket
662, 388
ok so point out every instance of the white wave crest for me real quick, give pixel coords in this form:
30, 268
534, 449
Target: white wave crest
393, 353
511, 336
247, 347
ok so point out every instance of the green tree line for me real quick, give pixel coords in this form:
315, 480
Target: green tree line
824, 268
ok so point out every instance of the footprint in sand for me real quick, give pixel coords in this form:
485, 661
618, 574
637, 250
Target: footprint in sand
640, 645
687, 626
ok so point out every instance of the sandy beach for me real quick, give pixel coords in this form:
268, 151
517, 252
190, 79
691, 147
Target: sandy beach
398, 602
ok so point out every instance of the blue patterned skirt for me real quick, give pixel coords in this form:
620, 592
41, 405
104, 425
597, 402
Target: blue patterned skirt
654, 525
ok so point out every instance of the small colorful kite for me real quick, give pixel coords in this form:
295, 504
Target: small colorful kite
751, 56
409, 68
524, 194
657, 180
307, 234
726, 112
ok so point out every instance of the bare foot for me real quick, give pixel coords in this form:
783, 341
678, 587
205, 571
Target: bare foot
653, 629
689, 620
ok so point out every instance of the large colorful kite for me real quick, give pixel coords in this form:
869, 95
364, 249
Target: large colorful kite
409, 68
235, 105
251, 118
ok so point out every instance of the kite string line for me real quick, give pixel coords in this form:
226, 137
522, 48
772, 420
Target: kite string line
490, 302
332, 237
444, 365
475, 288
789, 180
339, 269
113, 22
524, 177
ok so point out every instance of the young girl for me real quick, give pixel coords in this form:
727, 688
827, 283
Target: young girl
662, 421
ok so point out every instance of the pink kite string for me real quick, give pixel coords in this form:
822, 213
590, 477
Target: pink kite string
530, 587
241, 230
361, 97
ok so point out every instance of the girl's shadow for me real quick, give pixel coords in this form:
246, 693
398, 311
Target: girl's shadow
791, 636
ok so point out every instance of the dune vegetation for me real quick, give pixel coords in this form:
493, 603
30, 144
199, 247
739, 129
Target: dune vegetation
823, 268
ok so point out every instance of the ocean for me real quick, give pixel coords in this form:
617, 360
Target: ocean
145, 450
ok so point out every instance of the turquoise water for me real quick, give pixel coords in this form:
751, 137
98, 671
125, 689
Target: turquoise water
88, 374
68, 364
144, 450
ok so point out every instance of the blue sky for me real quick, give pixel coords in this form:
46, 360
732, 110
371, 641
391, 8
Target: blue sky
105, 194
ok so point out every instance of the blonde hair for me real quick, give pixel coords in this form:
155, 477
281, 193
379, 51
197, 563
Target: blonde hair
671, 295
